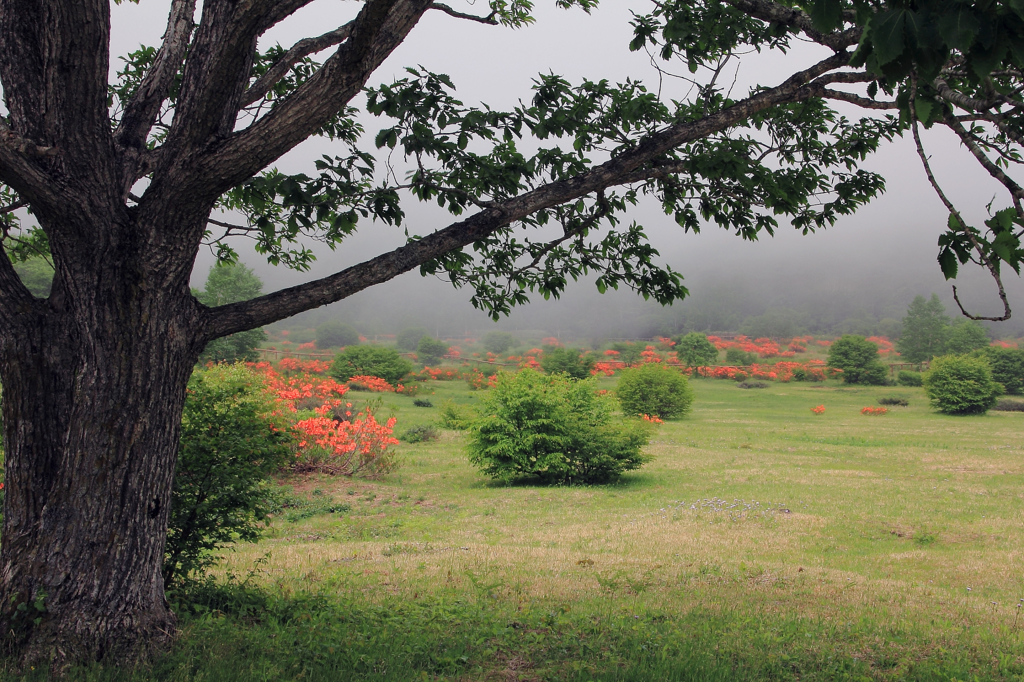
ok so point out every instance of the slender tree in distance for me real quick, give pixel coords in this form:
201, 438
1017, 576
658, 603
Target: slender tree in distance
126, 181
925, 330
232, 283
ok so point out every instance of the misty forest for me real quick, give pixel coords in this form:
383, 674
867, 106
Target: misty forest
511, 340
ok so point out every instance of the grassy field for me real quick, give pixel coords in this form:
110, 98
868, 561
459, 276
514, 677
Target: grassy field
762, 542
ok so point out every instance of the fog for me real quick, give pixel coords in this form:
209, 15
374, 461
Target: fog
868, 266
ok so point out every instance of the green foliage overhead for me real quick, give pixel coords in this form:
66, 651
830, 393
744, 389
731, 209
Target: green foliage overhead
554, 429
655, 390
335, 333
374, 361
1007, 368
569, 361
231, 443
409, 338
966, 336
430, 351
694, 350
498, 342
859, 360
925, 330
961, 384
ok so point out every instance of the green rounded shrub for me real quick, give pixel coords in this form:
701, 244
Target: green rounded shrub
498, 342
409, 338
654, 390
555, 429
430, 350
333, 334
694, 350
373, 361
569, 361
1007, 367
961, 384
738, 356
859, 360
905, 378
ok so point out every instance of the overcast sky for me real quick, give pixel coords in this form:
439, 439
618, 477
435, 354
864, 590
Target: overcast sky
890, 243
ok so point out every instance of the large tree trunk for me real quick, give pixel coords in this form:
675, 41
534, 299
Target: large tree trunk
93, 393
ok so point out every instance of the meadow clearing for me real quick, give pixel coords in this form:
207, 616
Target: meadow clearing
763, 541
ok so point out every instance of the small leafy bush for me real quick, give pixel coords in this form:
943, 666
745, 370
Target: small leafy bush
422, 402
569, 361
554, 429
1009, 406
334, 333
859, 360
894, 400
498, 342
374, 361
961, 384
231, 442
430, 350
451, 416
738, 356
905, 378
1007, 367
654, 390
409, 338
752, 384
419, 434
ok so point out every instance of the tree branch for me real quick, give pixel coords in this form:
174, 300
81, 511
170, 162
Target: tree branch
378, 29
794, 18
298, 51
141, 111
278, 305
995, 171
954, 212
863, 102
489, 19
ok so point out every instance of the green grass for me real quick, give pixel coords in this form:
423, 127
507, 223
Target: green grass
763, 542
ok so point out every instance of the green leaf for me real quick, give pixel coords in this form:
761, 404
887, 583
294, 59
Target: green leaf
887, 35
959, 27
947, 261
827, 15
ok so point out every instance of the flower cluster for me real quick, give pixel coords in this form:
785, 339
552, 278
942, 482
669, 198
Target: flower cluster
375, 384
477, 380
305, 366
885, 346
820, 409
874, 411
653, 420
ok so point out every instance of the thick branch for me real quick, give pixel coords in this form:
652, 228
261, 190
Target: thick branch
266, 309
15, 298
17, 171
379, 28
298, 51
794, 18
863, 102
142, 109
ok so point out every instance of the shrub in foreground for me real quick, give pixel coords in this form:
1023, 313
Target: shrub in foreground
373, 361
554, 429
859, 360
654, 390
230, 444
961, 384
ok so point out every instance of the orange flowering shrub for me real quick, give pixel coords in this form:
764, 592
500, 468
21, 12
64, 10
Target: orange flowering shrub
874, 411
820, 409
357, 445
367, 383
